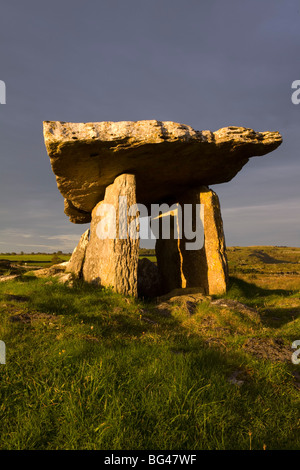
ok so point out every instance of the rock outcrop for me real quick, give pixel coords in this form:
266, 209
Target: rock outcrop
166, 158
57, 271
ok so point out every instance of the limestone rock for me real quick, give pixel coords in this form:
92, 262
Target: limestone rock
185, 299
75, 264
57, 271
195, 294
9, 277
75, 215
166, 158
65, 278
52, 270
113, 262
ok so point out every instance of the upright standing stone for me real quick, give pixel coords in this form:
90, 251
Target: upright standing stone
113, 250
76, 261
204, 267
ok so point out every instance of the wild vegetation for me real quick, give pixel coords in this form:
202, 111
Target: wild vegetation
87, 368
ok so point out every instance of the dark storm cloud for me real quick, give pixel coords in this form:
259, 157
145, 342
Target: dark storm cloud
208, 64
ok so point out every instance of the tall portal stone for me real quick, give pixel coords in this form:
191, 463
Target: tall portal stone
204, 267
111, 258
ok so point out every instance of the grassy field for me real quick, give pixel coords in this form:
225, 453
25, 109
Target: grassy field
42, 260
90, 369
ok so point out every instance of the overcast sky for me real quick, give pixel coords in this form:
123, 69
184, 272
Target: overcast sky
205, 63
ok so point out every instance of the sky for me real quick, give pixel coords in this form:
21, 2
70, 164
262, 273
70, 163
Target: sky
205, 63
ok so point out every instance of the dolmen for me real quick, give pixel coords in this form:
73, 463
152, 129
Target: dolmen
113, 175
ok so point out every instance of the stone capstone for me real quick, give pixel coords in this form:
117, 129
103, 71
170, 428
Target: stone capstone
166, 158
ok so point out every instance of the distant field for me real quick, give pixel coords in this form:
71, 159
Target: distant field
264, 259
243, 260
35, 259
47, 259
266, 265
150, 257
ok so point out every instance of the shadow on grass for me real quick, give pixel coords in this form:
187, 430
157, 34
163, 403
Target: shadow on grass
277, 317
248, 290
113, 313
267, 259
26, 278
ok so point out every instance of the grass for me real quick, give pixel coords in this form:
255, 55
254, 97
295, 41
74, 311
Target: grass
150, 257
90, 369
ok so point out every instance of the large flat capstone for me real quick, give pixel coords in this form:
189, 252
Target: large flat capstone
166, 158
